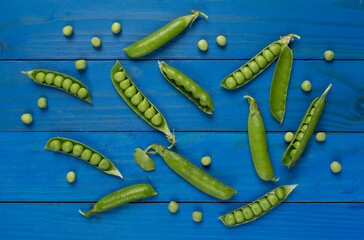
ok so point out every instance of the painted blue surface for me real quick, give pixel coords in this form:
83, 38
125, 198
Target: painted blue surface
36, 201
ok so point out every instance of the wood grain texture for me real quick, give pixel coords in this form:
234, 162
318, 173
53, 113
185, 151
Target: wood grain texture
35, 31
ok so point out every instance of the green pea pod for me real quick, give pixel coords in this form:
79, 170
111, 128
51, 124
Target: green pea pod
193, 174
257, 64
60, 81
83, 152
143, 160
258, 143
161, 36
258, 208
305, 130
188, 87
120, 197
279, 88
138, 102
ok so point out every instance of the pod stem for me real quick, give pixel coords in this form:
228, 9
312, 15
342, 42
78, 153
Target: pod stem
287, 39
253, 105
327, 90
196, 14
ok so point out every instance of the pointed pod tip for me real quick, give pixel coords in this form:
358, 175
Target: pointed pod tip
82, 213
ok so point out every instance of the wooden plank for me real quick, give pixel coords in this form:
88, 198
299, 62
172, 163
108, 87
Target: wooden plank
344, 110
30, 173
154, 221
35, 31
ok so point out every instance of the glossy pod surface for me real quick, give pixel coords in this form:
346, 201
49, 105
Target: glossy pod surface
256, 65
258, 208
161, 36
280, 81
305, 130
60, 81
194, 175
188, 87
120, 197
81, 151
258, 142
138, 102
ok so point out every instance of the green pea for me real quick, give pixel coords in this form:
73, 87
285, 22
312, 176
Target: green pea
329, 55
74, 88
56, 145
239, 217
321, 137
221, 40
77, 150
300, 136
124, 84
253, 65
257, 210
288, 137
272, 199
116, 28
149, 113
296, 144
203, 45
306, 86
58, 80
247, 212
27, 118
95, 159
230, 219
275, 48
136, 99
293, 152
261, 61
268, 55
82, 93
66, 85
248, 74
130, 91
67, 146
86, 154
40, 77
304, 127
206, 161
119, 76
173, 207
316, 103
239, 77
143, 106
230, 82
80, 64
49, 78
203, 103
96, 42
42, 102
335, 167
67, 31
197, 216
264, 204
157, 119
71, 177
280, 193
104, 164
195, 95
312, 111
308, 119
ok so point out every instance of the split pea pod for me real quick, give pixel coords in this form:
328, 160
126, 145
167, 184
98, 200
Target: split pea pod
280, 81
83, 152
258, 208
188, 87
120, 197
305, 130
161, 36
258, 142
257, 64
138, 102
60, 81
193, 174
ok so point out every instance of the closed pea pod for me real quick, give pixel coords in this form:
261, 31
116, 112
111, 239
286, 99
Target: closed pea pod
161, 36
258, 208
188, 87
81, 151
138, 102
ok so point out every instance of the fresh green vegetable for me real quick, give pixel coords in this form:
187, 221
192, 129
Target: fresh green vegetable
288, 137
321, 137
116, 28
221, 40
306, 86
27, 118
71, 177
42, 102
329, 55
80, 64
197, 216
203, 45
206, 161
143, 160
335, 167
173, 207
96, 42
67, 31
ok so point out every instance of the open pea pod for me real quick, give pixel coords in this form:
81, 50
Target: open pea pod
258, 208
305, 130
83, 152
60, 81
138, 102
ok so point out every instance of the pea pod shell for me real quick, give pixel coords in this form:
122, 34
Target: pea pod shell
32, 74
289, 161
280, 81
120, 197
161, 36
167, 70
287, 190
112, 170
143, 160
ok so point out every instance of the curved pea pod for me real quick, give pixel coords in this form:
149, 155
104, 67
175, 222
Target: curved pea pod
188, 87
258, 208
143, 160
161, 36
257, 64
258, 143
58, 80
141, 105
86, 153
305, 130
193, 174
279, 87
121, 197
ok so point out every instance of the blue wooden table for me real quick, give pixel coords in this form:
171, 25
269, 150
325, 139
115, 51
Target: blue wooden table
36, 201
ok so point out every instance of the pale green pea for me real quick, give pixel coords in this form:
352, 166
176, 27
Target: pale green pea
239, 77
157, 119
221, 40
49, 78
197, 216
248, 74
203, 103
96, 42
296, 144
42, 102
335, 167
116, 28
71, 176
288, 137
173, 207
77, 150
58, 80
124, 84
86, 154
292, 153
308, 119
272, 199
256, 209
300, 136
312, 111
66, 85
74, 88
239, 217
262, 62
321, 137
275, 48
67, 146
119, 76
143, 106
206, 161
253, 65
268, 55
80, 64
104, 164
130, 91
306, 86
40, 77
280, 193
264, 204
149, 113
230, 219
27, 118
95, 159
230, 82
304, 127
82, 93
136, 99
329, 55
247, 212
67, 31
195, 95
203, 45
56, 145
